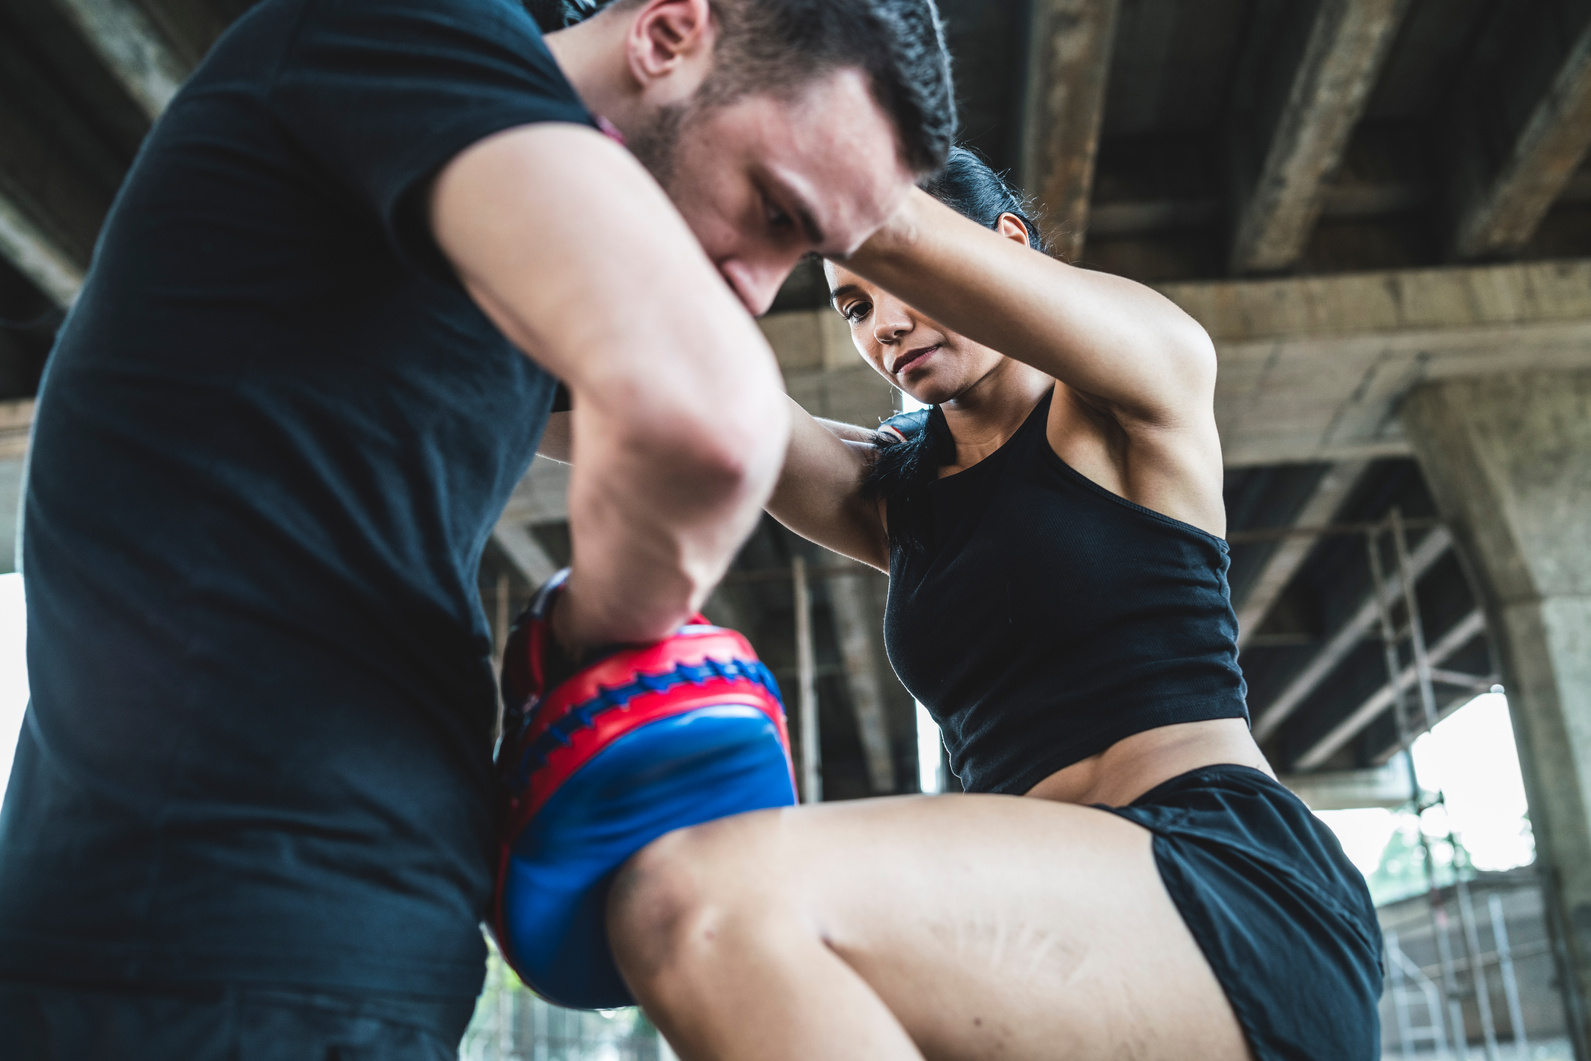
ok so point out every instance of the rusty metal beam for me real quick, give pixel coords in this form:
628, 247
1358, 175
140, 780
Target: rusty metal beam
855, 625
1070, 44
1347, 45
1504, 187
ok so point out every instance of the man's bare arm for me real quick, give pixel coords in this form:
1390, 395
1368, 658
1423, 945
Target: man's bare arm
679, 424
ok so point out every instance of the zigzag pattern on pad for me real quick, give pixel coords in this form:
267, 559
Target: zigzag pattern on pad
582, 715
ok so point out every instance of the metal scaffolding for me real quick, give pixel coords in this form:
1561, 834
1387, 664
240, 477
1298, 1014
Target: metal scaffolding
1462, 980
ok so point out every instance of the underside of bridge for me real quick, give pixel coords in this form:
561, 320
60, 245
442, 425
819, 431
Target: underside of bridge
1374, 206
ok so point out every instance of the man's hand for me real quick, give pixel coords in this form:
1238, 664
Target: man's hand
679, 424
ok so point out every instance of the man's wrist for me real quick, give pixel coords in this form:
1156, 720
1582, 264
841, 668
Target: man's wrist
561, 622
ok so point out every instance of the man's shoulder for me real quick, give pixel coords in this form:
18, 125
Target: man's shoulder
274, 33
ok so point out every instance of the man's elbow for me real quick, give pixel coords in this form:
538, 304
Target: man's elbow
728, 455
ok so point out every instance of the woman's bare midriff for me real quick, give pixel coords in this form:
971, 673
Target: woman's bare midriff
1134, 765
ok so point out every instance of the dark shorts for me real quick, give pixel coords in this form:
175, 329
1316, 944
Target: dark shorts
70, 1023
1282, 916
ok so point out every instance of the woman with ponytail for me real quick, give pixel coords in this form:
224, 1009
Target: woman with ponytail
1123, 877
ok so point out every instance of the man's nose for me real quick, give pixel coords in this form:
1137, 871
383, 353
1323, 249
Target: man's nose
756, 283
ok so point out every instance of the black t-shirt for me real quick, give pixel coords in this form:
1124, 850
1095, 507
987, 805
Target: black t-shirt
271, 444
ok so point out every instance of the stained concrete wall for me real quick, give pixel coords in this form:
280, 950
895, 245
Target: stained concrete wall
1508, 459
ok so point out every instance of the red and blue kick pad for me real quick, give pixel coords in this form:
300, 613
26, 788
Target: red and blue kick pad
645, 741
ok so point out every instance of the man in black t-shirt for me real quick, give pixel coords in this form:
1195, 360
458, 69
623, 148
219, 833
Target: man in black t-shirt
317, 346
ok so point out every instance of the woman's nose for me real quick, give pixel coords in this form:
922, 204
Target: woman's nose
889, 329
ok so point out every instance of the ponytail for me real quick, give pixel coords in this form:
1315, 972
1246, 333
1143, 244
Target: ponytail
911, 448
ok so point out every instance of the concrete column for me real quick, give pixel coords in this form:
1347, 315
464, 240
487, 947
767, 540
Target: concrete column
1508, 458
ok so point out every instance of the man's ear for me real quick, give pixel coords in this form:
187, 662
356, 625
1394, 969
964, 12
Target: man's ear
1012, 228
669, 47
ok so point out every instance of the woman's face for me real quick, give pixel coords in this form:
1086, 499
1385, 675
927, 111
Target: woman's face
920, 356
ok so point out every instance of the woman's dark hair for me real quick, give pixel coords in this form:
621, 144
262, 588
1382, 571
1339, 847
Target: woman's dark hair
901, 468
778, 45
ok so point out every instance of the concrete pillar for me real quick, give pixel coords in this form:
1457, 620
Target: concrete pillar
1508, 458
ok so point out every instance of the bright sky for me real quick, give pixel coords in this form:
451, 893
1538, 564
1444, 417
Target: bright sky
1471, 756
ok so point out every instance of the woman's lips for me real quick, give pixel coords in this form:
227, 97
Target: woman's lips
911, 358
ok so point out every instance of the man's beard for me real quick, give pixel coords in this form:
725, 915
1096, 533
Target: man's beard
655, 145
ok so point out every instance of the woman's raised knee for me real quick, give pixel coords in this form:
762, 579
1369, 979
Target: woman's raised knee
671, 901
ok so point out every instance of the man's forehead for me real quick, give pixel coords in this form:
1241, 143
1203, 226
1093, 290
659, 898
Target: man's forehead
838, 151
838, 206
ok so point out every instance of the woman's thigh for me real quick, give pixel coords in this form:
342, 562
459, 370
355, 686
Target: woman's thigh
991, 926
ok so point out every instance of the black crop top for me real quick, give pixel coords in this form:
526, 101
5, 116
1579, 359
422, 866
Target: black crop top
1047, 618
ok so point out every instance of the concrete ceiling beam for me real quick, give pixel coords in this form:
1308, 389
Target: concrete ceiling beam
16, 427
37, 255
1291, 552
132, 49
1468, 629
51, 205
541, 497
1325, 96
1314, 368
1070, 44
1507, 173
1388, 786
524, 551
1269, 719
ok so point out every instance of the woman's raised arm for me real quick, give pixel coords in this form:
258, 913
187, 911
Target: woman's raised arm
819, 493
1103, 335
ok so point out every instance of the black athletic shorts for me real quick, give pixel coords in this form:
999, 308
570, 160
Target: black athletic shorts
1282, 916
71, 1023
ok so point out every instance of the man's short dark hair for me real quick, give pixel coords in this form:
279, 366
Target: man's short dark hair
782, 45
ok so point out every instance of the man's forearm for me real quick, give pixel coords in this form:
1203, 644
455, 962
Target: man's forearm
679, 418
656, 519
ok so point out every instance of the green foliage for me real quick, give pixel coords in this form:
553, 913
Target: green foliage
1402, 871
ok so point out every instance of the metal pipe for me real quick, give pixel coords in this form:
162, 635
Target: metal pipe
1389, 649
501, 603
1422, 668
1411, 603
806, 685
1444, 951
1400, 1010
1505, 965
1267, 720
1477, 967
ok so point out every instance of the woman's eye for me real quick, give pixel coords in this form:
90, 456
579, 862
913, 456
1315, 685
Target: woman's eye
855, 311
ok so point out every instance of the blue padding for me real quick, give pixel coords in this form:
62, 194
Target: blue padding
678, 771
